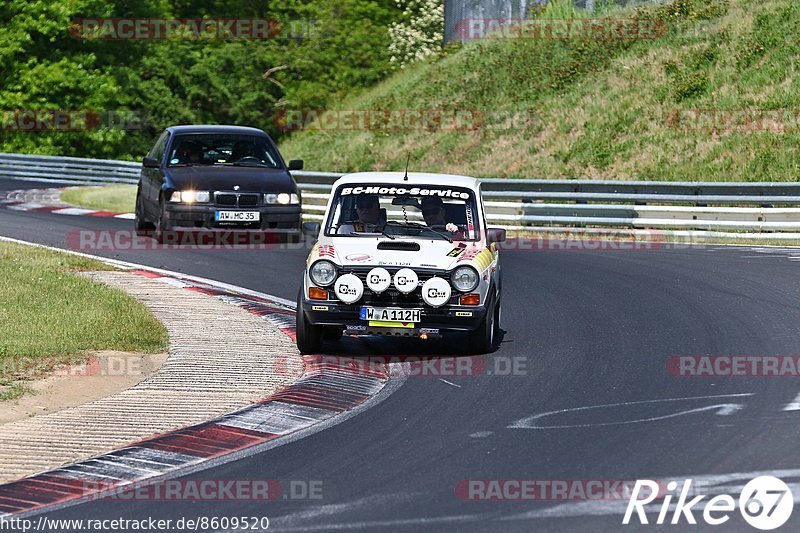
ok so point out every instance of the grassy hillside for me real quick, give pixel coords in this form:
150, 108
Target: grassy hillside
596, 108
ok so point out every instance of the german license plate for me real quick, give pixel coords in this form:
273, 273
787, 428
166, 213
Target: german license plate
237, 216
391, 314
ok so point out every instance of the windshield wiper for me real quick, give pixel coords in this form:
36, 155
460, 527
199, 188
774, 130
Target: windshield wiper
252, 165
417, 225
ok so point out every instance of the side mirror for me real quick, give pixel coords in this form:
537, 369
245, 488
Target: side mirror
311, 229
150, 162
495, 235
296, 164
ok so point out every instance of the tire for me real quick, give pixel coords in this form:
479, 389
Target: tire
309, 336
161, 225
484, 338
140, 223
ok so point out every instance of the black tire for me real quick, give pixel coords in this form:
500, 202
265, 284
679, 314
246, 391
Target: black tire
161, 225
309, 336
484, 338
332, 334
140, 223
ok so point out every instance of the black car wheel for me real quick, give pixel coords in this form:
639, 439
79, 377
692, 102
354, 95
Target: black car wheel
161, 223
484, 338
140, 223
309, 336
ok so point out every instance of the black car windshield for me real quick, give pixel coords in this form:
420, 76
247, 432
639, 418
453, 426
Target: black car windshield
424, 211
222, 149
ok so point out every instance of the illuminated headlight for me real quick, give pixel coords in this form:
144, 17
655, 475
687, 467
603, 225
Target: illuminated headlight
283, 198
464, 278
322, 273
190, 197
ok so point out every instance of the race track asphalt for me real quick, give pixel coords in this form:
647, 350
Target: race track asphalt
586, 328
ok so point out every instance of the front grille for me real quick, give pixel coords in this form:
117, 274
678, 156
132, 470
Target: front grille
226, 199
230, 199
248, 200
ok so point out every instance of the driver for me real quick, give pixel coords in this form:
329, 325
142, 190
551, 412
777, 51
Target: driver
368, 210
190, 152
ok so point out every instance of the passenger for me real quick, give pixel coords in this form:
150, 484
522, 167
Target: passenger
433, 211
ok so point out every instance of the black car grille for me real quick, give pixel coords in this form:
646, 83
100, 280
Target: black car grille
248, 200
391, 296
236, 199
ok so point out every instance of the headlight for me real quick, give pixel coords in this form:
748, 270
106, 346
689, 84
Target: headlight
322, 273
406, 280
349, 288
190, 197
283, 198
436, 292
464, 278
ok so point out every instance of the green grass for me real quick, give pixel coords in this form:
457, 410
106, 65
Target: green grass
49, 314
593, 108
114, 198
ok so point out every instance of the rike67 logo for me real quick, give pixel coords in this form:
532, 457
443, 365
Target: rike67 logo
765, 503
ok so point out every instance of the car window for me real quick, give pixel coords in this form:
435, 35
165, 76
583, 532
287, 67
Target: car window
159, 148
426, 211
223, 149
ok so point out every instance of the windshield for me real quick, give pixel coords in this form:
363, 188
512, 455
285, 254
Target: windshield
223, 149
425, 211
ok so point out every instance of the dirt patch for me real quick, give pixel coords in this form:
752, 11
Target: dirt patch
105, 373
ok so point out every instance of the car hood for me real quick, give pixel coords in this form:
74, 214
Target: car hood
364, 251
225, 178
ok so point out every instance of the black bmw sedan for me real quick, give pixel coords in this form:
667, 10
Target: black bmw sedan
217, 178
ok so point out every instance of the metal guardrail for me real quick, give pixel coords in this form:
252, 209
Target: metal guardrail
770, 208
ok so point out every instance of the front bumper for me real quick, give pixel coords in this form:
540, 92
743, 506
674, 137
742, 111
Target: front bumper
449, 318
279, 218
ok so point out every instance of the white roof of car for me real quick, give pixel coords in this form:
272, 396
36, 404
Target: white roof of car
414, 178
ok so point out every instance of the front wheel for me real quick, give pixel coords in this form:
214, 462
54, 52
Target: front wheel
484, 338
161, 223
140, 223
309, 336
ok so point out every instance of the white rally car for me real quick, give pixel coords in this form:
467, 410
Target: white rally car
402, 255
